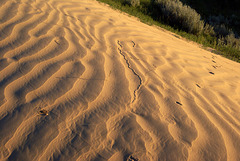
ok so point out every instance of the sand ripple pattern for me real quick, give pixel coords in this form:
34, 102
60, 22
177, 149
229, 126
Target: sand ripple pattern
80, 81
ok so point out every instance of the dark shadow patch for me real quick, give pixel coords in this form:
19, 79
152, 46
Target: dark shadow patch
56, 42
3, 63
43, 112
177, 36
198, 85
133, 44
178, 103
211, 73
131, 158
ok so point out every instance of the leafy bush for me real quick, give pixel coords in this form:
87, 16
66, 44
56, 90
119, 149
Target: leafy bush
133, 3
209, 30
221, 30
177, 14
230, 40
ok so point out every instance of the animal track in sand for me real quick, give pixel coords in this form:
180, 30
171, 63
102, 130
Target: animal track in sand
133, 44
134, 72
215, 66
213, 57
178, 103
211, 73
198, 86
131, 158
56, 42
43, 112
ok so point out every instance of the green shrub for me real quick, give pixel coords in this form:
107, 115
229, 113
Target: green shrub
179, 15
229, 41
133, 3
232, 41
209, 30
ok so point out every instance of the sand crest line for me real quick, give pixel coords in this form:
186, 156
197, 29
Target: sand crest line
133, 71
81, 78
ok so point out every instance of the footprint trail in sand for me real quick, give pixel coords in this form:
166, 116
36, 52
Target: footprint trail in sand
133, 71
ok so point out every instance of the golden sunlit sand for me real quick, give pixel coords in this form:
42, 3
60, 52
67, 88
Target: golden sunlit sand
81, 81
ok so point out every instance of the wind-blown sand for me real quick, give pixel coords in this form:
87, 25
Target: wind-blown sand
81, 81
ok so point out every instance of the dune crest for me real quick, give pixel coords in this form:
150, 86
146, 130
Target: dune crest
81, 81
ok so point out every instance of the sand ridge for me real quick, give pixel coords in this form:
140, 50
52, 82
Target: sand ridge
81, 81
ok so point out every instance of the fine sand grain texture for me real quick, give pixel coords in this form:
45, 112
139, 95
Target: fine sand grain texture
81, 81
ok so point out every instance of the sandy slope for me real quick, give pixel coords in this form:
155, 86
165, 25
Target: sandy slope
112, 87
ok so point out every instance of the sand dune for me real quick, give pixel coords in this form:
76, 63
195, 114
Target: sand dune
81, 81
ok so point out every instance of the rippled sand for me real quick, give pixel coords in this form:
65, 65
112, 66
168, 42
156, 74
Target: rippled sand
81, 81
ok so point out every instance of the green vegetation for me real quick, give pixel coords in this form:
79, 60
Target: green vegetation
133, 3
181, 17
178, 15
